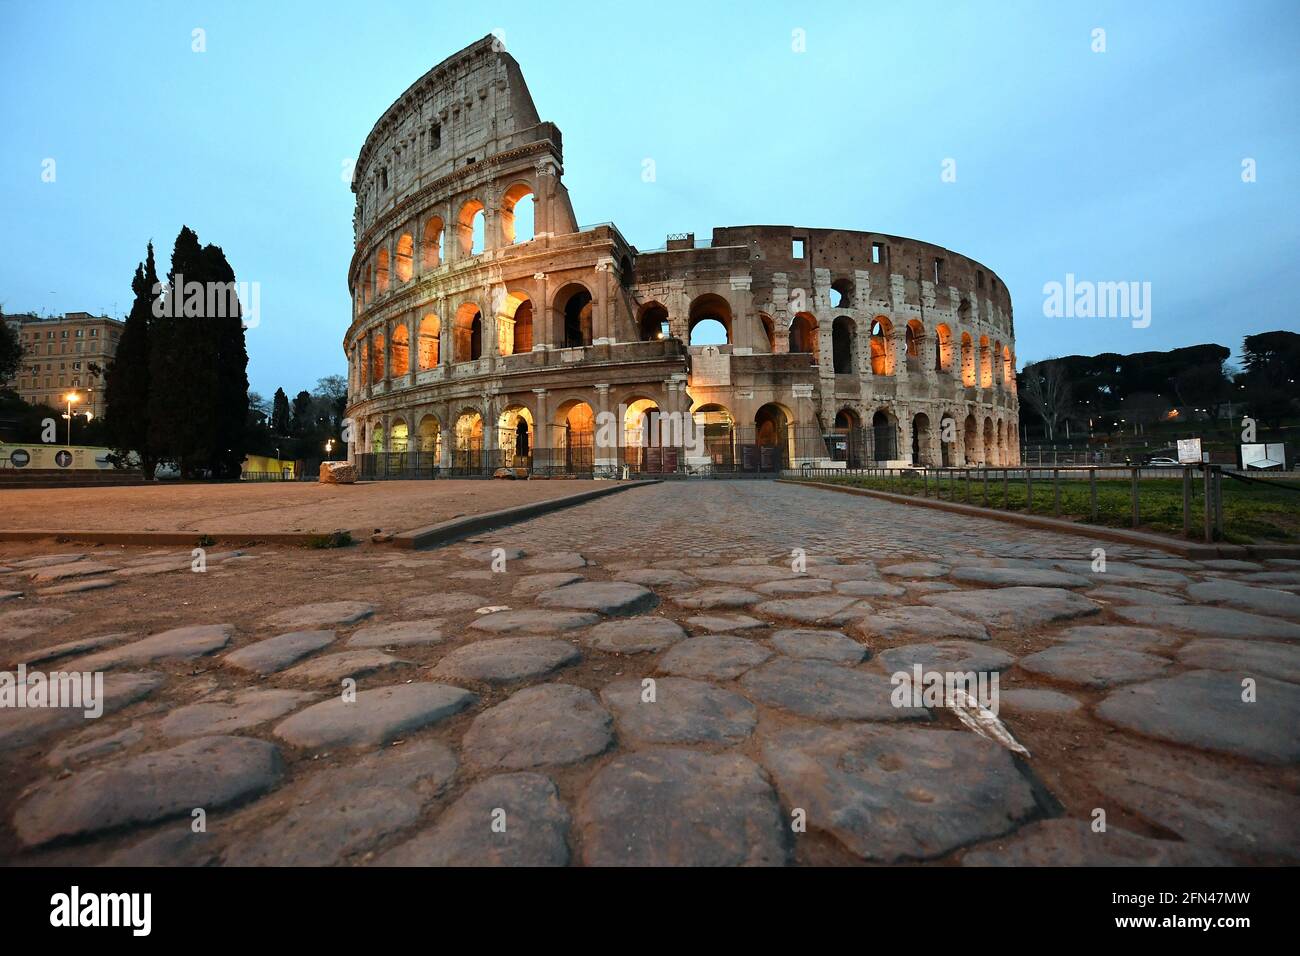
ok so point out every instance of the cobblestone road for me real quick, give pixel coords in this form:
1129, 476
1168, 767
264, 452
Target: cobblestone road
682, 674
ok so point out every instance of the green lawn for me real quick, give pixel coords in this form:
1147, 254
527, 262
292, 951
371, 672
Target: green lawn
1251, 512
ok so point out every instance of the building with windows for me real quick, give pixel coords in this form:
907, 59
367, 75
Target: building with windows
61, 354
476, 343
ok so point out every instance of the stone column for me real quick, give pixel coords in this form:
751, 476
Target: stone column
605, 457
541, 423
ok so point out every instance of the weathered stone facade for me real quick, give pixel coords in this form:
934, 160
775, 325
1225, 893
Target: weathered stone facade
840, 345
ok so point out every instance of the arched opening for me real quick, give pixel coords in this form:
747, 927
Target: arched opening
575, 436
882, 348
967, 360
643, 442
517, 214
988, 441
914, 337
921, 439
400, 359
469, 228
986, 363
377, 358
430, 437
405, 258
653, 323
971, 437
517, 333
368, 285
769, 331
377, 437
398, 436
848, 441
947, 436
1008, 368
381, 272
803, 335
515, 436
883, 436
772, 438
843, 334
943, 349
431, 247
714, 422
1000, 454
841, 294
430, 330
468, 453
467, 333
363, 362
709, 321
574, 315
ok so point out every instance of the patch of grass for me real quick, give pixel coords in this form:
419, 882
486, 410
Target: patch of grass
1251, 512
335, 539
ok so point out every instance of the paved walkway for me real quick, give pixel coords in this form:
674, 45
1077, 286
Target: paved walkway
689, 673
269, 507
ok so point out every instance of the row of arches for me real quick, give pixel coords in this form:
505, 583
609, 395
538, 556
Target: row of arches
515, 219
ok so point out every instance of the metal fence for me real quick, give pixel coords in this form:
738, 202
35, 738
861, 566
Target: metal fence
1032, 489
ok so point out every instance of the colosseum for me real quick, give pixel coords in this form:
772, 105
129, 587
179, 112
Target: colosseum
476, 346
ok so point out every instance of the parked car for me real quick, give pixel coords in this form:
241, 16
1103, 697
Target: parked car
1162, 463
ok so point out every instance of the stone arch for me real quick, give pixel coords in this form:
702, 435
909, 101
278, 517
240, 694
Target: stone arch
709, 307
363, 361
882, 346
636, 425
467, 333
516, 435
467, 223
967, 360
428, 345
367, 286
399, 360
381, 271
884, 435
404, 259
803, 335
989, 443
844, 336
971, 439
399, 435
715, 423
942, 348
431, 246
516, 194
921, 439
469, 430
429, 435
841, 293
986, 364
572, 313
652, 322
516, 324
377, 357
574, 435
1008, 368
914, 342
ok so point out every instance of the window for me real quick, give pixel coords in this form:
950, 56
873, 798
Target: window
938, 270
94, 333
435, 137
796, 249
877, 253
383, 178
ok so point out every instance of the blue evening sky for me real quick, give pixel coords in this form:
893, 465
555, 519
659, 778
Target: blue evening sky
1116, 166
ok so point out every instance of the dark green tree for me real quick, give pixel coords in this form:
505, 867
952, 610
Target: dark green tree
11, 351
302, 422
127, 376
280, 413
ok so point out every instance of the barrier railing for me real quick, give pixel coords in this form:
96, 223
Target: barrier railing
1189, 497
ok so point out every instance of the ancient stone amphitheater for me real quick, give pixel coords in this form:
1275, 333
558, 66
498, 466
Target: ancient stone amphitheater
475, 345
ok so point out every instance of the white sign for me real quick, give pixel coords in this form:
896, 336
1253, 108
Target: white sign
1189, 451
1259, 456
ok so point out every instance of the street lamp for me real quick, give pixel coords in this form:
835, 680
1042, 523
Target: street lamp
70, 398
329, 448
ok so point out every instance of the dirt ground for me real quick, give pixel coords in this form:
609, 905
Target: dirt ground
271, 507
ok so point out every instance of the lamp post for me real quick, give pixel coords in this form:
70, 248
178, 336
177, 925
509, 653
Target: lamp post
70, 398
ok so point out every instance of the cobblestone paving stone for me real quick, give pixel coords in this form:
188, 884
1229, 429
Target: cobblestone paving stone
686, 673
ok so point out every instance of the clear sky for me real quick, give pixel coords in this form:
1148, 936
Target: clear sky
1123, 165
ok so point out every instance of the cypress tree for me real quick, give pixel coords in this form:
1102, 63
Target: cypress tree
280, 413
126, 386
